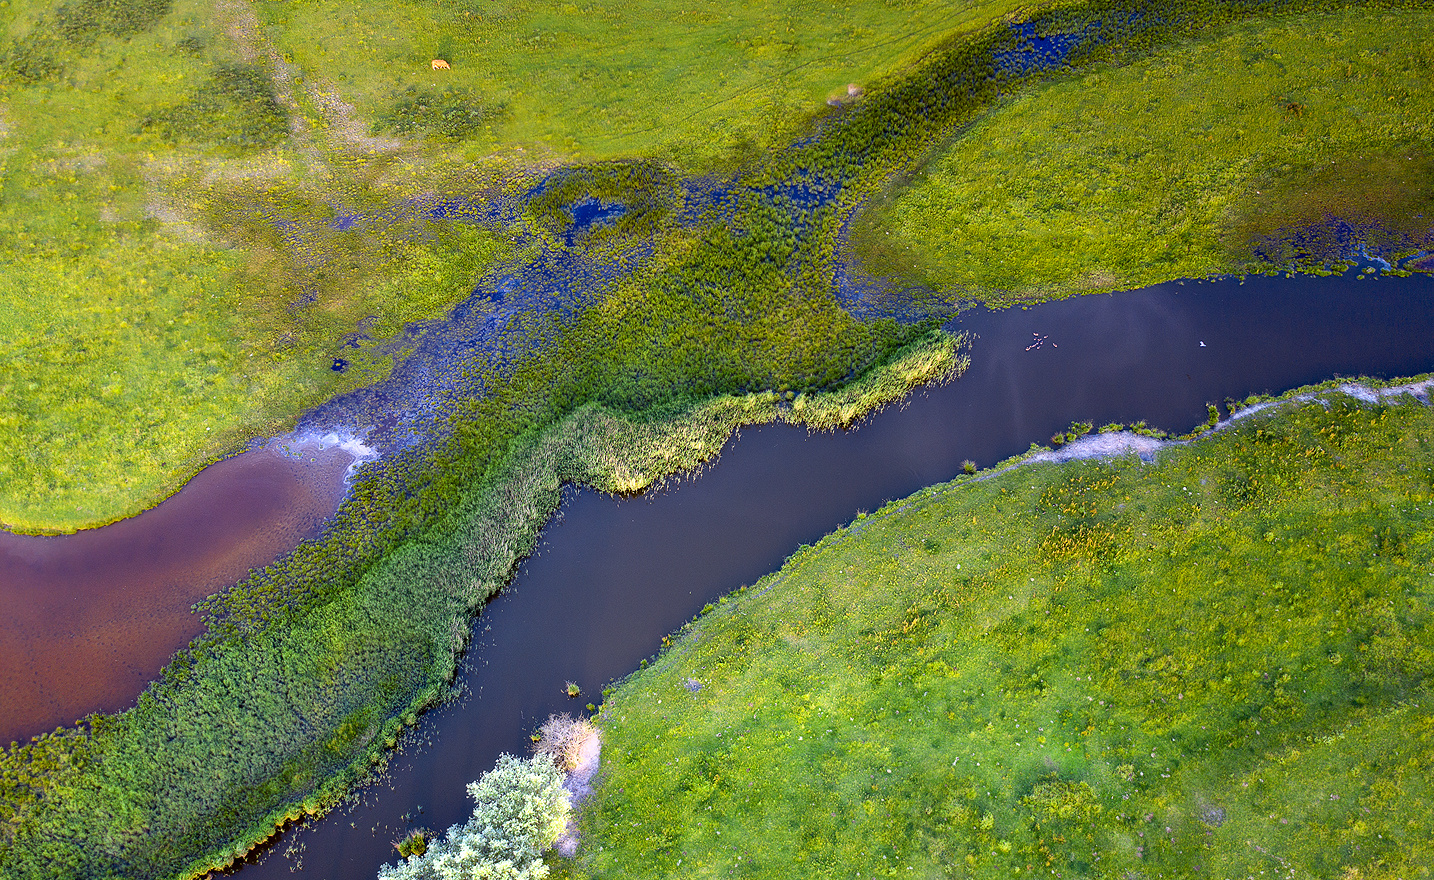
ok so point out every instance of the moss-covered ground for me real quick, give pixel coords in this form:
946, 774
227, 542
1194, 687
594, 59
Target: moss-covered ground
1242, 150
1216, 664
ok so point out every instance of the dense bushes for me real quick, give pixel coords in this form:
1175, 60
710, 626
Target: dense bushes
447, 114
237, 109
520, 810
74, 26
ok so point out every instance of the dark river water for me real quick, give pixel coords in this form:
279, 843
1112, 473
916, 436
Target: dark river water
613, 576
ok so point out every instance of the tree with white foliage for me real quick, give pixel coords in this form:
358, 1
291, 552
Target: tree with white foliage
520, 809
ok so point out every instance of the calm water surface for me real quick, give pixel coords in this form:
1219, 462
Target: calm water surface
612, 577
90, 618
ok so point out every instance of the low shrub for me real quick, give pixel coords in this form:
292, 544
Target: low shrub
447, 114
560, 739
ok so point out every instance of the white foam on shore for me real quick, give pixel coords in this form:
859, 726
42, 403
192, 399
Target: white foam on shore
1120, 443
1363, 393
1107, 445
299, 444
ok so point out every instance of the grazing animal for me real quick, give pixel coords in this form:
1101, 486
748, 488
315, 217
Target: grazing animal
854, 91
440, 64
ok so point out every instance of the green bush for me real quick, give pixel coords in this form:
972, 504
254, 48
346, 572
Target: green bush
520, 810
237, 109
40, 54
449, 114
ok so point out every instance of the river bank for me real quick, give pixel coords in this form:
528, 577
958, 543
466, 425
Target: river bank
93, 617
612, 576
1075, 666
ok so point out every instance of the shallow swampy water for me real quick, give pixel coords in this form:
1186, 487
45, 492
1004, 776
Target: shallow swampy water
91, 618
613, 576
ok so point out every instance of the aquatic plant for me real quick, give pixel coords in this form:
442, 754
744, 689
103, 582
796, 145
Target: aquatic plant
414, 843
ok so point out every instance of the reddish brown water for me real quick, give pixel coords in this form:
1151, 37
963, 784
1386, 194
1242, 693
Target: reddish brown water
90, 618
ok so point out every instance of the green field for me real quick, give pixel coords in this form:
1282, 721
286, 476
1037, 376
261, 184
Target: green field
1214, 665
702, 85
152, 316
1180, 165
172, 173
227, 168
171, 170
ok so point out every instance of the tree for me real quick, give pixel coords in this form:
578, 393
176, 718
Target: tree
520, 808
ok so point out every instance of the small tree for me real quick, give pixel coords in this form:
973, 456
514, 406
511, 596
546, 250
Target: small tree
560, 739
520, 809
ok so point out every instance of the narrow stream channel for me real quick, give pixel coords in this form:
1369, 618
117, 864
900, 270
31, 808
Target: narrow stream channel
613, 576
91, 618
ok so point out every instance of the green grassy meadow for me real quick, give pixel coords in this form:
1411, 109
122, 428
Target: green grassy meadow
190, 163
177, 280
152, 315
1179, 165
702, 85
171, 173
1214, 665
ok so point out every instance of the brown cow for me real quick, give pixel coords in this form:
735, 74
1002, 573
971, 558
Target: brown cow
440, 64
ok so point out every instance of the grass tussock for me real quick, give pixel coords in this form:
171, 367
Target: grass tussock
1100, 668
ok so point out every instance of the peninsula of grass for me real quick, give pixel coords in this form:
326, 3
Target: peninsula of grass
1215, 664
1253, 148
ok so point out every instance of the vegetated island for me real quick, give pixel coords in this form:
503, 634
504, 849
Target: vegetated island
620, 352
1213, 663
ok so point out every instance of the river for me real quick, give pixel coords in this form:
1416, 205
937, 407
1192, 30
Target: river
90, 618
611, 576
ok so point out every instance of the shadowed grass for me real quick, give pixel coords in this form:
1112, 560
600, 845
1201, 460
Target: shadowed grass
1181, 165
